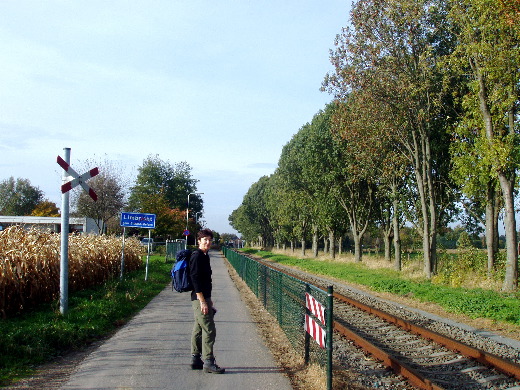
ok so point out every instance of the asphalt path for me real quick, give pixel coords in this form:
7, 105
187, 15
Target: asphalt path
152, 351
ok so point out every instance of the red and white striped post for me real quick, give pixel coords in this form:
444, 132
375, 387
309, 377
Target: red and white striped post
312, 327
321, 329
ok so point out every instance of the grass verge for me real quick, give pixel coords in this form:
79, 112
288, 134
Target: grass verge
43, 334
475, 303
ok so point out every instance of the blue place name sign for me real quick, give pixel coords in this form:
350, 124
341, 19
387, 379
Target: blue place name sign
138, 220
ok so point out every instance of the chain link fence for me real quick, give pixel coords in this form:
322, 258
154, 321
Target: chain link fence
172, 247
284, 298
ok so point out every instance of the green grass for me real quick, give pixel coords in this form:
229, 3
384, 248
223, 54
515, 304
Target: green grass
475, 303
42, 334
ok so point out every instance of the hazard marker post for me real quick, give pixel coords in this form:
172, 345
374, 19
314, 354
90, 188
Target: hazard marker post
70, 180
319, 325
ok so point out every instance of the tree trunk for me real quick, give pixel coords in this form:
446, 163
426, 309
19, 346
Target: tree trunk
511, 277
425, 234
508, 187
498, 206
424, 180
325, 245
315, 241
332, 243
397, 239
491, 227
507, 182
386, 240
358, 250
303, 247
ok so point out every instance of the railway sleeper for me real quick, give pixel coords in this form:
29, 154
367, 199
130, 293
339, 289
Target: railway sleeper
474, 368
491, 379
408, 345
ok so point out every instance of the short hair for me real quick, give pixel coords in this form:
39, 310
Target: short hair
204, 233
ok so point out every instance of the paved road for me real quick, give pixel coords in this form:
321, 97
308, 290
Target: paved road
153, 350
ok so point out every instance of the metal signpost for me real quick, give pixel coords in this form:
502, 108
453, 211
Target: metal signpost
70, 180
137, 220
186, 233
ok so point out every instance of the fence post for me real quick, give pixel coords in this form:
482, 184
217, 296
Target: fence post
264, 286
307, 335
330, 319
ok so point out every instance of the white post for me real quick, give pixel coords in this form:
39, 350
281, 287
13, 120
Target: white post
64, 259
123, 254
148, 255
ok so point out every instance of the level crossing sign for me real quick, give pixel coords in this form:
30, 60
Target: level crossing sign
77, 179
70, 180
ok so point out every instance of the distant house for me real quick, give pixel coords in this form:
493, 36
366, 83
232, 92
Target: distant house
76, 225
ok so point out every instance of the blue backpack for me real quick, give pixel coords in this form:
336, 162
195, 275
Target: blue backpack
180, 272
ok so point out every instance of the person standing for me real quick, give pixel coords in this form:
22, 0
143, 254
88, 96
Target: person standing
204, 330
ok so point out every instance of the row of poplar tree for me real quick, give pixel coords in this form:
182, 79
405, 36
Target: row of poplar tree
424, 122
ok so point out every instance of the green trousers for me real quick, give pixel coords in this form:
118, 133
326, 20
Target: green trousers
204, 332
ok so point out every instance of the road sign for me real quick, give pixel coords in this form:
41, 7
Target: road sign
186, 233
138, 220
77, 179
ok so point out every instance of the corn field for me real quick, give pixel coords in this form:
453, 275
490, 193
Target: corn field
30, 265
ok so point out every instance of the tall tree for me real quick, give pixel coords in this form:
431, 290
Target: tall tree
173, 181
391, 53
111, 186
242, 222
367, 127
287, 210
18, 197
252, 217
488, 49
110, 200
478, 183
307, 166
169, 223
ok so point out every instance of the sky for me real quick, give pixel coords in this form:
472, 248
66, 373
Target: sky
221, 85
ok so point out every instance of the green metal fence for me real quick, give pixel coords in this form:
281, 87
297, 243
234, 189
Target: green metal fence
172, 247
284, 297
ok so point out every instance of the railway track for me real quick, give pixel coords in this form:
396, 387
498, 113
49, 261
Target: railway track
426, 358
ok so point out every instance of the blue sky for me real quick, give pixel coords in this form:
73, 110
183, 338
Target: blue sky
222, 85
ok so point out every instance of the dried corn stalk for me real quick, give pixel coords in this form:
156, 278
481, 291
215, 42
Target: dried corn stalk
30, 264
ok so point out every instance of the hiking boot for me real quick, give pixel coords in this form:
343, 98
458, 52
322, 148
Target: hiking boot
211, 366
196, 362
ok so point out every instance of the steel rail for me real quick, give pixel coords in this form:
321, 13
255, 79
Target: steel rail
507, 367
388, 360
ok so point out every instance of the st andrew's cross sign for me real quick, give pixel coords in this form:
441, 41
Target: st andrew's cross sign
72, 180
77, 179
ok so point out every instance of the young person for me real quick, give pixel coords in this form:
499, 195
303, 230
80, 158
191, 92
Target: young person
204, 331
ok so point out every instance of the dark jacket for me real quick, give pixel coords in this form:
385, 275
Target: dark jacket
200, 273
